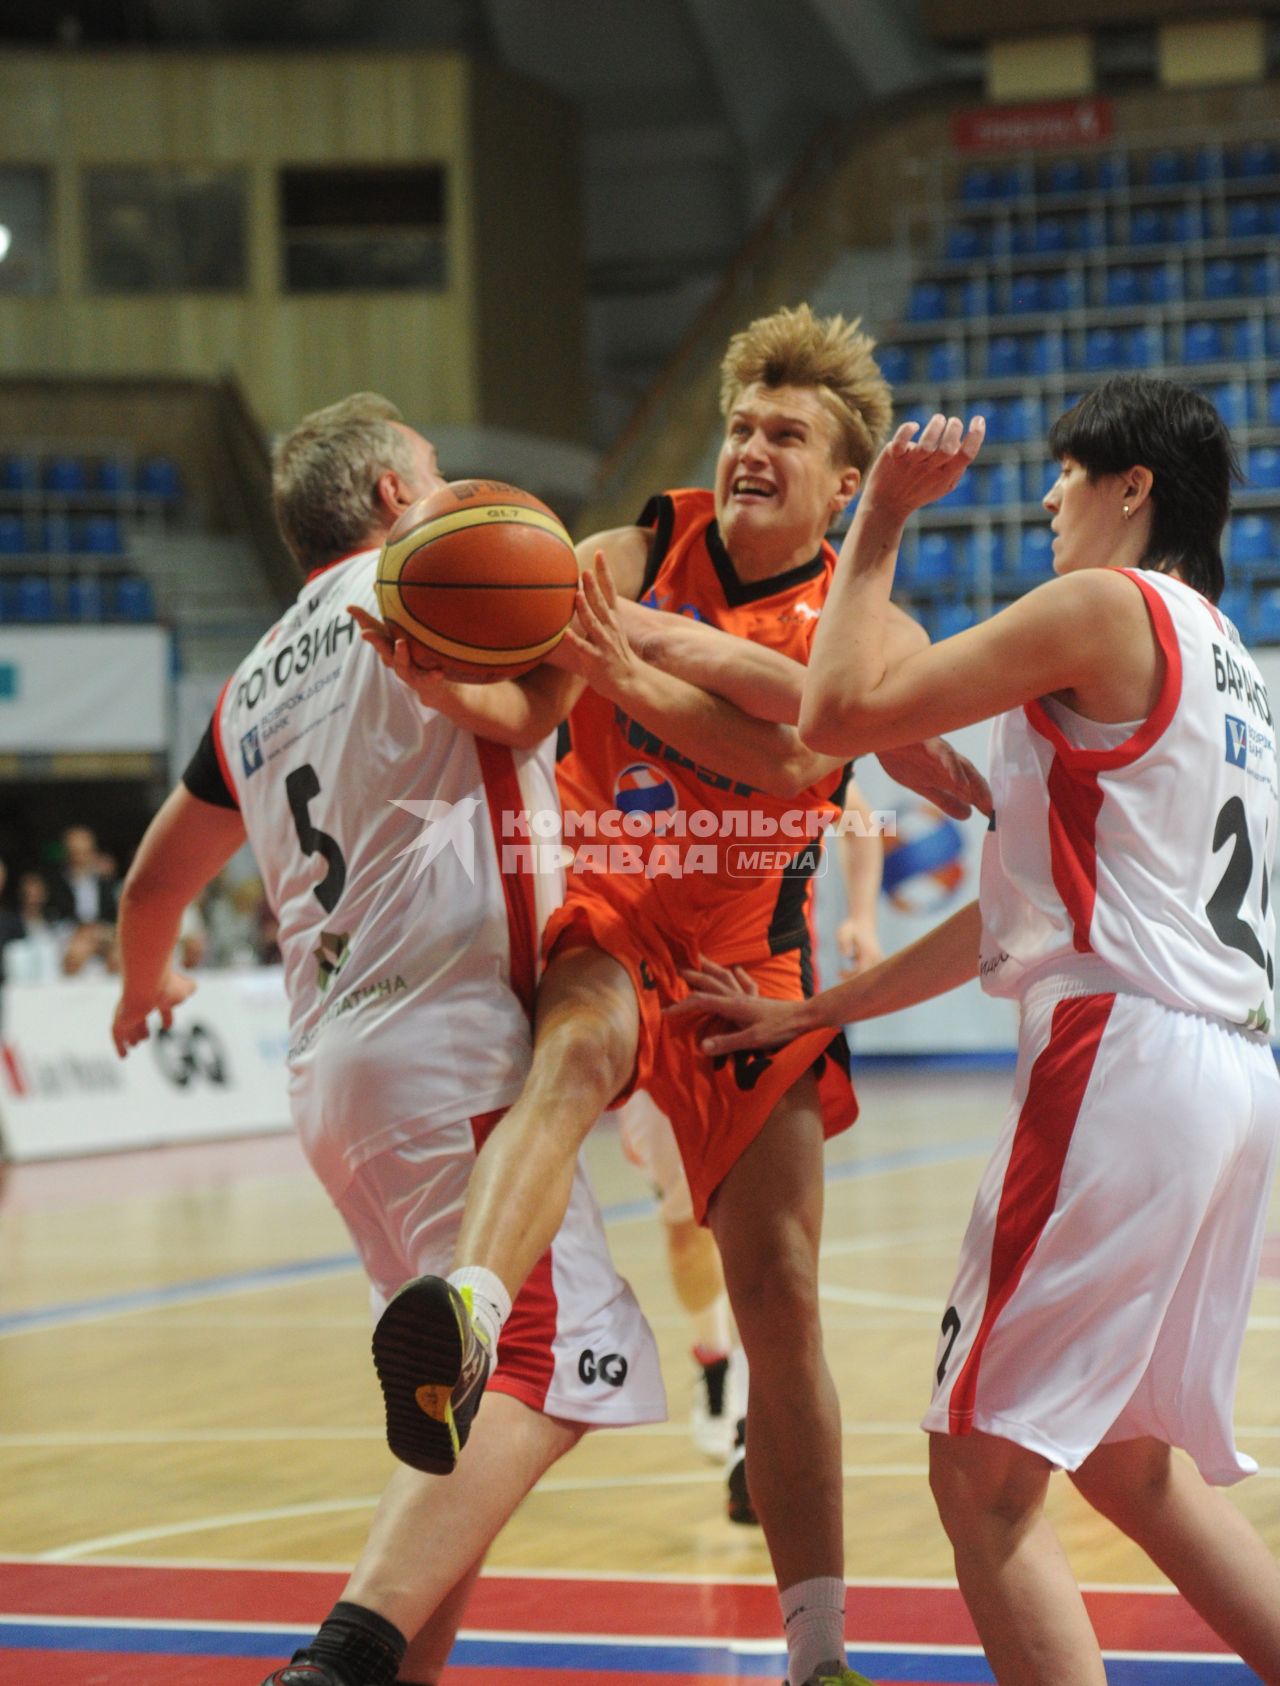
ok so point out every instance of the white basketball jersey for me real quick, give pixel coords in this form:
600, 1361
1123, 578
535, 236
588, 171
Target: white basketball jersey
1152, 854
382, 831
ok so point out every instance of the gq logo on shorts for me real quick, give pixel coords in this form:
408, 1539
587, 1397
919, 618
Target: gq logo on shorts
611, 1369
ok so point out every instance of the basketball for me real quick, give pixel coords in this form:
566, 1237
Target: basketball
480, 577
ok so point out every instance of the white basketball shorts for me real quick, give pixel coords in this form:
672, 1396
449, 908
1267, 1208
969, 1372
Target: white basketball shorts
1106, 1273
576, 1344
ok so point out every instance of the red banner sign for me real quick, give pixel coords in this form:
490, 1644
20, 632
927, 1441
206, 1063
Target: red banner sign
1025, 128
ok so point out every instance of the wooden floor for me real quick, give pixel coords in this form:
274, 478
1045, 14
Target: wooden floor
184, 1372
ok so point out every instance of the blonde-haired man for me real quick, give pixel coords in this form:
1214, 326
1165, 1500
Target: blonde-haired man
673, 794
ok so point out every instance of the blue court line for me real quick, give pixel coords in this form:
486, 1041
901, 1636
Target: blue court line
302, 1270
594, 1656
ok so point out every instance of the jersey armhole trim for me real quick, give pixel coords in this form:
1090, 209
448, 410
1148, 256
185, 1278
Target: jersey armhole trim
1157, 722
217, 742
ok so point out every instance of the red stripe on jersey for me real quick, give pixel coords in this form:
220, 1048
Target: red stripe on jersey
502, 788
1029, 1193
1156, 723
1074, 801
526, 1360
13, 1070
217, 743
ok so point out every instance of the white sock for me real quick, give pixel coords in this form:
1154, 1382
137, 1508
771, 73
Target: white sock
490, 1301
738, 1377
813, 1618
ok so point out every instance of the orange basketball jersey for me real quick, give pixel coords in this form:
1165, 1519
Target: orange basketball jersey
726, 866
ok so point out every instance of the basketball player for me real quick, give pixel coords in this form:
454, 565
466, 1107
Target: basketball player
1097, 1317
409, 960
720, 1388
805, 410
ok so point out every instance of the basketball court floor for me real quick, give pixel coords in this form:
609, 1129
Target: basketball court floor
191, 1444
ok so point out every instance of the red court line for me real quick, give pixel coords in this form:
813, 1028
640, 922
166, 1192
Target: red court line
1124, 1620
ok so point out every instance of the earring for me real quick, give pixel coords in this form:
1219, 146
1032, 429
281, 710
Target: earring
1126, 512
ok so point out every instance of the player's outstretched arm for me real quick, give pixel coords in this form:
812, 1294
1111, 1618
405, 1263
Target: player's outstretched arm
942, 959
187, 844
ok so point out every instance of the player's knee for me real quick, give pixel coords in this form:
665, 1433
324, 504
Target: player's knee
773, 1282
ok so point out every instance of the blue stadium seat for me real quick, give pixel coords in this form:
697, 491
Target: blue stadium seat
1252, 160
1010, 183
1262, 469
977, 297
1244, 339
17, 473
1042, 354
64, 474
964, 242
1263, 620
1144, 346
112, 474
978, 185
1065, 175
1122, 287
928, 302
1206, 163
951, 618
101, 536
1026, 294
1037, 477
1146, 226
935, 557
1273, 404
1257, 278
159, 477
1113, 171
1049, 234
963, 496
1231, 400
1250, 538
1222, 279
1062, 291
1035, 555
53, 536
13, 535
1202, 342
944, 361
1002, 484
1085, 232
986, 549
1186, 223
1247, 219
1103, 348
1020, 419
132, 599
1166, 168
1004, 357
895, 363
33, 599
1162, 283
86, 600
1236, 603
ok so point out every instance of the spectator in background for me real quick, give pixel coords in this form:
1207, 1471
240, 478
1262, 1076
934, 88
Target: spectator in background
35, 956
80, 891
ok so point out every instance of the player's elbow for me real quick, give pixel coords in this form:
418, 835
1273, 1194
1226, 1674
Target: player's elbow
830, 730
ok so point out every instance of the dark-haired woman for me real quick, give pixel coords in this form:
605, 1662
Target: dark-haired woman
1098, 1312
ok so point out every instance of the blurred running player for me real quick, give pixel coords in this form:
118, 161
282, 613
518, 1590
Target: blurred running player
410, 961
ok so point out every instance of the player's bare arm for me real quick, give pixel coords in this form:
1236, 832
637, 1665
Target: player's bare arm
1080, 636
764, 754
941, 960
186, 845
516, 712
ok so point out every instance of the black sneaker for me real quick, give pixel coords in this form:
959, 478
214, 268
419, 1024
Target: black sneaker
433, 1367
303, 1672
710, 1417
738, 1504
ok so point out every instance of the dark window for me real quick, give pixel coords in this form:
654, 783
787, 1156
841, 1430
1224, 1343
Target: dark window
165, 230
363, 228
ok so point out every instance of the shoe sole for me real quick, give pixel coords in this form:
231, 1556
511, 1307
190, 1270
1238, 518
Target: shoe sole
417, 1352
